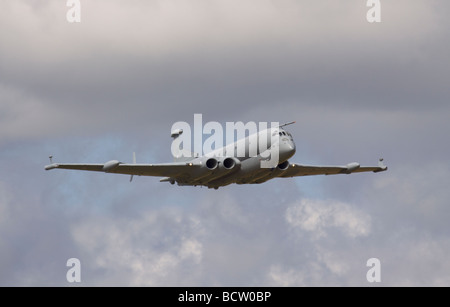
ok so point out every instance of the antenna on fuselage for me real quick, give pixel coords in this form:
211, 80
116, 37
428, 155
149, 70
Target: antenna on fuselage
290, 123
134, 162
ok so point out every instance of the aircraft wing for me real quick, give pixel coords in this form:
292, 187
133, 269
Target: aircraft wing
308, 170
116, 167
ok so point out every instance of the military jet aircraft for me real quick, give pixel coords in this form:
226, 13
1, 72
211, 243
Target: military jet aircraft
225, 166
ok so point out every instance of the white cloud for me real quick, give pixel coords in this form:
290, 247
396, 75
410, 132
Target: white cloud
280, 277
334, 262
153, 250
322, 216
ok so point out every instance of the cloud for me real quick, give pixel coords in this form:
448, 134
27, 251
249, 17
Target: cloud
159, 248
27, 116
145, 62
318, 217
116, 82
5, 199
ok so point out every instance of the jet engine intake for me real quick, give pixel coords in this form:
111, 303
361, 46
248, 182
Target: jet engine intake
229, 163
212, 163
276, 172
283, 166
225, 167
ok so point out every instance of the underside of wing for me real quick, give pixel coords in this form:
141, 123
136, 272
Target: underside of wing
163, 169
309, 170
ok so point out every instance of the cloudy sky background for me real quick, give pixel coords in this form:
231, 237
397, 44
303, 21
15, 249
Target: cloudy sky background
116, 82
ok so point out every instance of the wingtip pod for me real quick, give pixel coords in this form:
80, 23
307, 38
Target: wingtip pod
51, 166
110, 165
352, 167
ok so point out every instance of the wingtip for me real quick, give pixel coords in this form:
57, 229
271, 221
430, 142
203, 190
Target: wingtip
381, 165
381, 169
51, 166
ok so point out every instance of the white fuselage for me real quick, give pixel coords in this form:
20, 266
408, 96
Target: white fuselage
243, 160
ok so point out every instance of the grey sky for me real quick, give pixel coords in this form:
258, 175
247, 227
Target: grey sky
116, 82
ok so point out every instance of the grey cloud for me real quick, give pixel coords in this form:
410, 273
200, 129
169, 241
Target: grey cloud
116, 82
190, 57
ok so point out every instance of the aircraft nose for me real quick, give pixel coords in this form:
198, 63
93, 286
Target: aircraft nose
291, 147
288, 150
